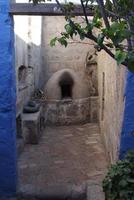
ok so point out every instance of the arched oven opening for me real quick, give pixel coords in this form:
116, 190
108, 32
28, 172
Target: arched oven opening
66, 85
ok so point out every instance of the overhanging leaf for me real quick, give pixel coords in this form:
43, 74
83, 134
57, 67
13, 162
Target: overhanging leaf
53, 41
120, 56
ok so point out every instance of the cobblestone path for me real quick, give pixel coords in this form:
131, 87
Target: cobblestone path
65, 156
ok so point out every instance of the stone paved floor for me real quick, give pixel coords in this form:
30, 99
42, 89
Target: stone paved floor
66, 155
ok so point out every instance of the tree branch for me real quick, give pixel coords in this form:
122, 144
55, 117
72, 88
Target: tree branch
103, 13
115, 3
112, 14
61, 7
79, 42
84, 11
91, 36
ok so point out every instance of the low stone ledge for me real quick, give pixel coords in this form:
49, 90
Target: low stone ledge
8, 198
57, 192
32, 127
95, 191
66, 112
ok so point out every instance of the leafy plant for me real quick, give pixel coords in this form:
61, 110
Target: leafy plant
119, 181
116, 33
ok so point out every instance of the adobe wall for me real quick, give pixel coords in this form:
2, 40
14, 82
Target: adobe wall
28, 57
111, 79
45, 65
79, 61
74, 57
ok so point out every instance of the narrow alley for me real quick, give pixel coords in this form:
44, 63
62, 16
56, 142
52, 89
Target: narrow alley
68, 162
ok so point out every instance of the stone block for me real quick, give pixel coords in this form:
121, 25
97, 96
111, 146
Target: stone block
32, 127
94, 192
65, 112
53, 192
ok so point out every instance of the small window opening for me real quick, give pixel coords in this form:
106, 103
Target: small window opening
66, 85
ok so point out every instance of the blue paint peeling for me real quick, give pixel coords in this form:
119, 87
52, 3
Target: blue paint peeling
127, 136
7, 104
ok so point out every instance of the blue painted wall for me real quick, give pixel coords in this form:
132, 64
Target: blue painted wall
127, 136
7, 104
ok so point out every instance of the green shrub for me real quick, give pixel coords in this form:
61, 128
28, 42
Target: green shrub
119, 181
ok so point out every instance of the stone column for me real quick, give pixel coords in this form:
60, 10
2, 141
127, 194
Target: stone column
7, 104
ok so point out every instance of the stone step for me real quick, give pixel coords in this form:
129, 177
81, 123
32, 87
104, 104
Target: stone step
94, 192
88, 191
57, 192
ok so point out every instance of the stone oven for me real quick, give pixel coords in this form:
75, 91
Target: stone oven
67, 99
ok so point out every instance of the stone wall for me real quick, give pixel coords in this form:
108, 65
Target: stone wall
79, 88
77, 61
43, 65
68, 112
28, 57
40, 66
111, 97
74, 57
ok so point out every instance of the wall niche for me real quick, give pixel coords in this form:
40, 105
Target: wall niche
22, 77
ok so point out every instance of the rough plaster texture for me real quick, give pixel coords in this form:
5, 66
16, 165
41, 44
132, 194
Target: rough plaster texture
58, 58
79, 90
66, 112
7, 105
28, 54
40, 66
111, 93
45, 66
32, 127
79, 61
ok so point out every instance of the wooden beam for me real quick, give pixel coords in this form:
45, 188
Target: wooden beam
43, 9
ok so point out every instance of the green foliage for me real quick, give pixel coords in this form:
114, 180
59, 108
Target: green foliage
119, 181
116, 32
62, 41
100, 39
69, 7
53, 41
69, 30
37, 1
120, 56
